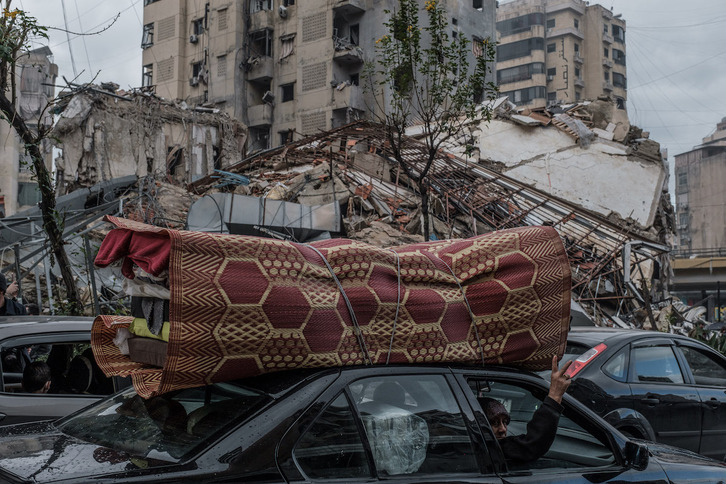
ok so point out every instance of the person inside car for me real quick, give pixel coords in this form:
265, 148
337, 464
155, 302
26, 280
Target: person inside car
8, 306
36, 377
541, 429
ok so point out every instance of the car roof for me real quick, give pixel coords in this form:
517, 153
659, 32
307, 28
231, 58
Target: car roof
11, 326
594, 335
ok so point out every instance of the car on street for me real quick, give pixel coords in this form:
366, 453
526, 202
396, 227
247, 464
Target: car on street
651, 385
64, 343
402, 423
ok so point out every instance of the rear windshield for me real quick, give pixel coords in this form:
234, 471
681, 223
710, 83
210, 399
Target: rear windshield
167, 427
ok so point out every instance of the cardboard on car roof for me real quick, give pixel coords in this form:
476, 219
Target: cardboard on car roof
241, 306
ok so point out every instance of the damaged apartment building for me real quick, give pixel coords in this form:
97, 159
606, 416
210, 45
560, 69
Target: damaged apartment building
105, 136
285, 68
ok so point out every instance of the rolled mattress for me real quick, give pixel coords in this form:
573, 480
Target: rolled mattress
242, 306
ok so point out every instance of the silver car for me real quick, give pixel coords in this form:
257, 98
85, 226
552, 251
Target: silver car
64, 343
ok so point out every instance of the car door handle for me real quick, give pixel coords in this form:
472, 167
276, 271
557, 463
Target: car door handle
650, 401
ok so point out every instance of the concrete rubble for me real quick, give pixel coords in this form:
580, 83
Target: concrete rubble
581, 168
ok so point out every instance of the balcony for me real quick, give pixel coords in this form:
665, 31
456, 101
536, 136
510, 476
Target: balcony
260, 115
579, 83
347, 53
607, 63
349, 97
349, 7
260, 68
606, 86
607, 38
579, 59
551, 33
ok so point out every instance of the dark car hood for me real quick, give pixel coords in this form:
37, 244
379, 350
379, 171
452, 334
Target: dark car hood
39, 452
678, 464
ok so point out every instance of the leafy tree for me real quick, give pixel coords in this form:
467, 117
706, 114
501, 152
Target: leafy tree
421, 75
17, 28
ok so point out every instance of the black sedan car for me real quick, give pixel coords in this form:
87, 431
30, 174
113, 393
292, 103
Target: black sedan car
352, 424
662, 387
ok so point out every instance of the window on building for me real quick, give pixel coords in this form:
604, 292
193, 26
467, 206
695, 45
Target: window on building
551, 96
285, 136
260, 5
287, 45
147, 38
619, 33
682, 178
149, 2
526, 95
198, 26
454, 34
577, 73
576, 23
147, 76
288, 3
454, 21
605, 52
577, 48
619, 57
28, 193
578, 95
355, 79
288, 92
197, 68
619, 80
551, 23
605, 28
518, 49
607, 76
620, 102
259, 138
551, 47
519, 73
520, 24
477, 4
355, 34
261, 43
552, 72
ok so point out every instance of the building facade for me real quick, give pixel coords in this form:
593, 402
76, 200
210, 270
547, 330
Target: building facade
560, 51
36, 74
285, 68
700, 197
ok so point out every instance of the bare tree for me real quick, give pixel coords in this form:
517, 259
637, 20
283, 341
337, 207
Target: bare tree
17, 28
421, 75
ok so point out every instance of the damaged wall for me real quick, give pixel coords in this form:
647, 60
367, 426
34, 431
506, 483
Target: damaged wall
604, 177
105, 136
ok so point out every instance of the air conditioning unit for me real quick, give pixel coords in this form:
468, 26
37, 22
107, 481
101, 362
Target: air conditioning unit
283, 11
194, 81
268, 97
193, 39
550, 78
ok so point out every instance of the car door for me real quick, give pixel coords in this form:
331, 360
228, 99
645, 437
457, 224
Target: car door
662, 394
16, 405
584, 448
708, 371
406, 427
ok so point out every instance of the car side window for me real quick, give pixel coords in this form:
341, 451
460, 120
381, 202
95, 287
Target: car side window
332, 447
656, 364
414, 426
617, 366
706, 369
576, 445
71, 365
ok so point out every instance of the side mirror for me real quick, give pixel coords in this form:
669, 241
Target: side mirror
636, 455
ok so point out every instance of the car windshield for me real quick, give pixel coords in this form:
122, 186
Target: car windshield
167, 427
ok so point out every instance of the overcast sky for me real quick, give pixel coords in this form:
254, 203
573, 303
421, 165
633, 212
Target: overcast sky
676, 57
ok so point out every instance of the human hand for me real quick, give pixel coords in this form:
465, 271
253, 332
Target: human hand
558, 380
12, 290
